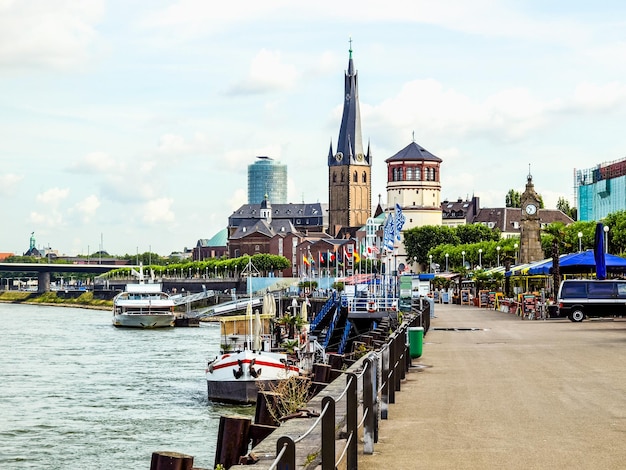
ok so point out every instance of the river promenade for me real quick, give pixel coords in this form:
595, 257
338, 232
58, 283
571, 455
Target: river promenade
498, 392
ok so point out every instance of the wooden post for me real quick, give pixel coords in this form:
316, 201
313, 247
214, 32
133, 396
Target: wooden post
232, 440
171, 461
265, 402
321, 373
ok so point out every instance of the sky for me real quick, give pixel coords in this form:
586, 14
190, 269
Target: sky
129, 126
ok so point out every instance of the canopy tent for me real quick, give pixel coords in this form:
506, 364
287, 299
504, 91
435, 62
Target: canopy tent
582, 262
522, 269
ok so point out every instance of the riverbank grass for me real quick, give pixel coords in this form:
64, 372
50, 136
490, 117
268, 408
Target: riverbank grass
51, 298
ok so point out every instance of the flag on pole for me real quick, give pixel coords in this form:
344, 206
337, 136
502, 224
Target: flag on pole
399, 219
306, 261
322, 260
389, 232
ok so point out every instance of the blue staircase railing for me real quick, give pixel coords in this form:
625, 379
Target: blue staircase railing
331, 328
344, 337
330, 303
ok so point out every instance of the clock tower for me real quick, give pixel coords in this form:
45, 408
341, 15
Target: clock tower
349, 167
530, 236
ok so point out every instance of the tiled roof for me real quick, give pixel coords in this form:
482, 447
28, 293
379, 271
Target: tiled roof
413, 152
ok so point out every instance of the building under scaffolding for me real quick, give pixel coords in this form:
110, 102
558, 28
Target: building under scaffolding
601, 190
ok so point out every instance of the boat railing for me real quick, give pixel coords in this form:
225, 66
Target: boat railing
372, 304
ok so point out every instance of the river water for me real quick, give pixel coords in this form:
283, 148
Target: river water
77, 392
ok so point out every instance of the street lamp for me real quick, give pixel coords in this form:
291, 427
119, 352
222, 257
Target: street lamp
498, 250
606, 238
447, 262
580, 242
463, 253
415, 260
480, 257
515, 246
430, 266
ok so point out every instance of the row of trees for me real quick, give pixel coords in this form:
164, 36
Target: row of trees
478, 245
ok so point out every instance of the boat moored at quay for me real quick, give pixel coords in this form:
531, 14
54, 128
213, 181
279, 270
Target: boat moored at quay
143, 306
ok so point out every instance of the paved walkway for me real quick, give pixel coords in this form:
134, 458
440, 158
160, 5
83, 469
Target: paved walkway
511, 394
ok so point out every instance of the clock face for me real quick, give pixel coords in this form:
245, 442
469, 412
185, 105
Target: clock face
531, 209
339, 156
359, 157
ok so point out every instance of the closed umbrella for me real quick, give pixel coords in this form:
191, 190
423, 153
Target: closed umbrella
249, 318
256, 345
598, 252
303, 311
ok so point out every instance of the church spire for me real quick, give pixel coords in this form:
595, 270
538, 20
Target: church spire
350, 142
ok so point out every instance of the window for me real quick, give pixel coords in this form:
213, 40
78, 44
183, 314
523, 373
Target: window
600, 290
574, 290
257, 248
342, 177
409, 174
418, 174
334, 177
400, 174
364, 177
355, 177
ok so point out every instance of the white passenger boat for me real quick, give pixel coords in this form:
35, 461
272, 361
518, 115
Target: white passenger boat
143, 306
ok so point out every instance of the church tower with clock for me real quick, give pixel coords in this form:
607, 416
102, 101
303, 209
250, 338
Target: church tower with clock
349, 167
530, 236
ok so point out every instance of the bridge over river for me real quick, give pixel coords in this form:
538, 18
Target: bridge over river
180, 283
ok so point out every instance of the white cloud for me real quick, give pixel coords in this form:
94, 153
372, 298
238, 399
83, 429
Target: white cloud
87, 207
594, 97
158, 211
267, 74
50, 34
99, 162
8, 183
53, 196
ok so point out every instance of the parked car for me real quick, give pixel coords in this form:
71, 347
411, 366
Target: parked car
580, 298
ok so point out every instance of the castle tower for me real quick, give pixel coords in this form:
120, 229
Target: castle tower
414, 184
349, 167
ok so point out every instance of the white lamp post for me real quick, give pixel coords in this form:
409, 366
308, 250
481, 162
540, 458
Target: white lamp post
480, 257
580, 242
463, 253
447, 262
430, 266
515, 246
606, 238
498, 250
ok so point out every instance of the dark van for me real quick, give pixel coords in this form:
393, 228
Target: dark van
579, 298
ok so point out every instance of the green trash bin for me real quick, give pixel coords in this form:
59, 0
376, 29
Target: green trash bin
416, 341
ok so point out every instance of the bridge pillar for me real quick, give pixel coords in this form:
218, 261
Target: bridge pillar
43, 282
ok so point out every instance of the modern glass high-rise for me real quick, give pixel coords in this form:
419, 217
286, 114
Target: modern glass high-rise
267, 176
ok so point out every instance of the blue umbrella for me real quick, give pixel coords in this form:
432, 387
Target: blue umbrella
598, 252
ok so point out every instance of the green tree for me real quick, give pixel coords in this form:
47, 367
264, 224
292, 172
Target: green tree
563, 205
556, 232
513, 199
419, 241
617, 232
475, 233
